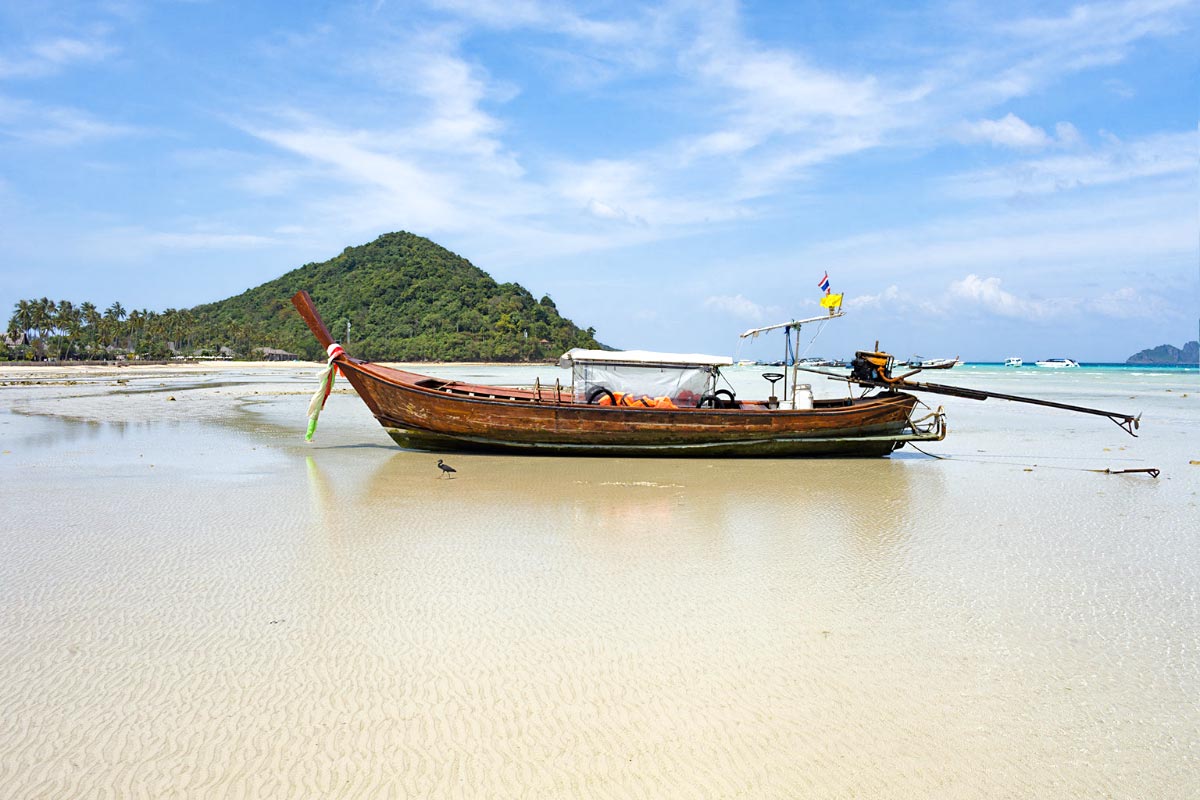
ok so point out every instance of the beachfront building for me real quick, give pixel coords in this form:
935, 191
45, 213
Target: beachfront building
273, 354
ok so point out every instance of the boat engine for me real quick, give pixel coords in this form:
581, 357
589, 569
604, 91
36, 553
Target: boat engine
871, 365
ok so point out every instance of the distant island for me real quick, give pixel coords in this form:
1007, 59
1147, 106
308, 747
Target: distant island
398, 298
1168, 354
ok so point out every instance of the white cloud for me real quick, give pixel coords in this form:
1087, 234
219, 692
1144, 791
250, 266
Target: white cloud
987, 293
133, 244
51, 56
422, 196
605, 211
1008, 131
889, 297
55, 126
443, 95
206, 241
1012, 131
634, 191
1032, 52
1129, 303
771, 116
508, 14
1067, 134
777, 112
1113, 162
737, 306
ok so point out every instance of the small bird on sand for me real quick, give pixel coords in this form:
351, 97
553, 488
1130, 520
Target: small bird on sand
445, 468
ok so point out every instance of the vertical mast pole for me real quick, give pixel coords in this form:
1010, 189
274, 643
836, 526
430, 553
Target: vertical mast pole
787, 353
796, 368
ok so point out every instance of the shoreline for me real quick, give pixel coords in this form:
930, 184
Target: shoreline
418, 365
227, 363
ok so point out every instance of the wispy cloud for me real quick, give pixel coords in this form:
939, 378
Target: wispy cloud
987, 293
446, 95
55, 125
1130, 303
1112, 162
1061, 247
736, 306
773, 115
974, 294
891, 296
1012, 131
132, 244
359, 158
1034, 51
51, 56
555, 17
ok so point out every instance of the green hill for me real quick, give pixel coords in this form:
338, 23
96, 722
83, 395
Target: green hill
406, 299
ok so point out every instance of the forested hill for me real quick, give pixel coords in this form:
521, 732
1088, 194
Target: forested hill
406, 299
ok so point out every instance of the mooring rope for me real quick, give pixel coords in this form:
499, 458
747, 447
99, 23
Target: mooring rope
1153, 472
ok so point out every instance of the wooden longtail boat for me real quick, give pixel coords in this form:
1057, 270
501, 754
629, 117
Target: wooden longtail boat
426, 413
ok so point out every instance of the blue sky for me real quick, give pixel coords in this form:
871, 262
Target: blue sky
979, 179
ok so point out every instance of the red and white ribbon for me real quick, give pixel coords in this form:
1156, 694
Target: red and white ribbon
325, 376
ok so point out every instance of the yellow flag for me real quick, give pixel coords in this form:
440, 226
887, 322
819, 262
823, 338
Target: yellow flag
831, 301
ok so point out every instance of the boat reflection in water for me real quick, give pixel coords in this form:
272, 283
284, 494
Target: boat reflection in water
646, 509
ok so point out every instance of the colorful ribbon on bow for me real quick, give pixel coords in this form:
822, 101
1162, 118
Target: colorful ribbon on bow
326, 377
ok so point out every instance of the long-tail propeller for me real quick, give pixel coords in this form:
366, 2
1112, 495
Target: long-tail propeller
873, 368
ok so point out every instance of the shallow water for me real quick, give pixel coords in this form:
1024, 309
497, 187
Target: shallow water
197, 603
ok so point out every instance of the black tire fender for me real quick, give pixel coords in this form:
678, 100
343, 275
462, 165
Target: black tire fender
595, 395
715, 399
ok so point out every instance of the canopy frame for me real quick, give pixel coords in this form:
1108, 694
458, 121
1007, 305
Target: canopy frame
790, 352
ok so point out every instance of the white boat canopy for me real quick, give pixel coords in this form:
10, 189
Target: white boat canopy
648, 358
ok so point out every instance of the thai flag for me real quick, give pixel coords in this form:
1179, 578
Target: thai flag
824, 284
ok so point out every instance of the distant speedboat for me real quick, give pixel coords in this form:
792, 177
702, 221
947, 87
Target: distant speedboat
1057, 363
1013, 361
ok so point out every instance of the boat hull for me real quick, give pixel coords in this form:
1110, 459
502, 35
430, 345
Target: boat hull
812, 447
444, 416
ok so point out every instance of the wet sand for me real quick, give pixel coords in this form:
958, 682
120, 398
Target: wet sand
198, 604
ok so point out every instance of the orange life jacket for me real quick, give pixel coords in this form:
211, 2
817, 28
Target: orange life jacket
631, 401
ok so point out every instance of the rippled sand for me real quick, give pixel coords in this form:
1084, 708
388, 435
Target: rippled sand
197, 604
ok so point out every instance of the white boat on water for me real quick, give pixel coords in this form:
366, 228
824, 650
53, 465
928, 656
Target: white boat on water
933, 363
1057, 363
1013, 361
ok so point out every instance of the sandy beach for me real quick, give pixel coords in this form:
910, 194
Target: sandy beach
196, 603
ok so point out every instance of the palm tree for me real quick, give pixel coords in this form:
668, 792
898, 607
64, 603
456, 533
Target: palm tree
114, 314
153, 332
43, 322
91, 321
187, 321
136, 320
67, 321
168, 323
22, 320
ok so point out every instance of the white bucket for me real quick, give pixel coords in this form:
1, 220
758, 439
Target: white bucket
804, 396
